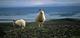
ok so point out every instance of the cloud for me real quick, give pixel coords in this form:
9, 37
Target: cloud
24, 3
34, 3
67, 0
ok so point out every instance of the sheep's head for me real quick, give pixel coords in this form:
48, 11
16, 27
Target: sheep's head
41, 12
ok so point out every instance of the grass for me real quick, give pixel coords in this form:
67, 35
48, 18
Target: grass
51, 29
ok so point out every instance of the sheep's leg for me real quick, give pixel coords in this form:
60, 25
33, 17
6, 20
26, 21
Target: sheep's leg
39, 24
42, 25
22, 27
20, 31
14, 29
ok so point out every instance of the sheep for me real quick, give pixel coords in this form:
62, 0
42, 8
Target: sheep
20, 23
40, 18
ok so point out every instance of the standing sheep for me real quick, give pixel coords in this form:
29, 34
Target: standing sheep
40, 18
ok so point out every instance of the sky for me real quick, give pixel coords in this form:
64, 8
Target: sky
38, 3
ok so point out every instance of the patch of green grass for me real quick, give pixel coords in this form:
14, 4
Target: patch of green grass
51, 29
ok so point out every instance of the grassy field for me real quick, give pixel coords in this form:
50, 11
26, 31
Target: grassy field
63, 28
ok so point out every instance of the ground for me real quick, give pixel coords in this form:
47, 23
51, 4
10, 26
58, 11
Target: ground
68, 28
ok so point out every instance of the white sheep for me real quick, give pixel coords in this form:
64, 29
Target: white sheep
40, 18
21, 23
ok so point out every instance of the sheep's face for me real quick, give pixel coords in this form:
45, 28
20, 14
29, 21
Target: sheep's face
41, 17
42, 12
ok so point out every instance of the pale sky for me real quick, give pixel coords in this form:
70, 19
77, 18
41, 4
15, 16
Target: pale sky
37, 3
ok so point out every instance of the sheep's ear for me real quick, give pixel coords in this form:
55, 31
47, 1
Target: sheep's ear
40, 9
14, 20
